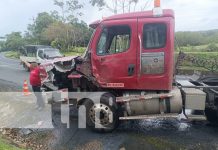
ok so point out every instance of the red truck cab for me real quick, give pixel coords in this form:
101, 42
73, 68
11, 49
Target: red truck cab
130, 61
134, 51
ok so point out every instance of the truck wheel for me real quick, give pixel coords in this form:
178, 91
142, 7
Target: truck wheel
56, 115
211, 111
103, 116
212, 115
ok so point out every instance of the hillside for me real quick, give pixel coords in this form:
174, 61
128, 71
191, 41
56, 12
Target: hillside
195, 38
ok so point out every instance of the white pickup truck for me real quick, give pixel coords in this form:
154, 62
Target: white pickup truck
38, 54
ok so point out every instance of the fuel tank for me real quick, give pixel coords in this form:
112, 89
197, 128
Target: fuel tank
156, 104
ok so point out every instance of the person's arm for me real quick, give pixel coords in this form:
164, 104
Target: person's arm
27, 64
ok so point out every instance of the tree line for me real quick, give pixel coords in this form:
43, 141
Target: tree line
197, 38
63, 29
60, 28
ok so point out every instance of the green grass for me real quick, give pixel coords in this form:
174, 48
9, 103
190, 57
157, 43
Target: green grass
76, 51
5, 145
210, 56
207, 53
12, 54
202, 55
142, 141
193, 68
79, 49
71, 53
199, 48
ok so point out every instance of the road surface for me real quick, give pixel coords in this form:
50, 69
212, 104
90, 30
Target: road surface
12, 71
152, 134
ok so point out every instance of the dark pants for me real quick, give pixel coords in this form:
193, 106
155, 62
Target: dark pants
38, 93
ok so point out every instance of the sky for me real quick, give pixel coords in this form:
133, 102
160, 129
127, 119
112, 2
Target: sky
191, 15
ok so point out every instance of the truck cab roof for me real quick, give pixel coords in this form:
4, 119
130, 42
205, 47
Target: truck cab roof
141, 14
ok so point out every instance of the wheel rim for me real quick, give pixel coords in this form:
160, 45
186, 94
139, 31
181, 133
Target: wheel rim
100, 114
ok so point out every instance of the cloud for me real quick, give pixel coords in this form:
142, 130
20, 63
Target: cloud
194, 15
190, 14
16, 14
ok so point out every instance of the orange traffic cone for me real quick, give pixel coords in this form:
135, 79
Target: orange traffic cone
25, 89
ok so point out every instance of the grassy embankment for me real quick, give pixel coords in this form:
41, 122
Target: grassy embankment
78, 51
6, 145
201, 52
12, 54
197, 51
75, 52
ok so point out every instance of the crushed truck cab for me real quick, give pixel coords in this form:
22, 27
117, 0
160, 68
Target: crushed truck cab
130, 58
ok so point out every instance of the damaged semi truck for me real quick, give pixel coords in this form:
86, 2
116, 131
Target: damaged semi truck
130, 57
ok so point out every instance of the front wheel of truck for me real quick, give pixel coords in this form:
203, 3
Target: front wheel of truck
103, 116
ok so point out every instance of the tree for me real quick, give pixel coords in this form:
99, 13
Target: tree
66, 36
190, 38
69, 10
35, 30
14, 41
212, 47
59, 33
2, 46
119, 6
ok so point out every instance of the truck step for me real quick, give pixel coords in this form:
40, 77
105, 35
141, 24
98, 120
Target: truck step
156, 116
196, 117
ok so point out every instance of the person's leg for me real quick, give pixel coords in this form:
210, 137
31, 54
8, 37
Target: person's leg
35, 89
38, 94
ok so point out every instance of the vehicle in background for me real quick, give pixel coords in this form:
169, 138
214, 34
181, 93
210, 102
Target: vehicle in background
38, 54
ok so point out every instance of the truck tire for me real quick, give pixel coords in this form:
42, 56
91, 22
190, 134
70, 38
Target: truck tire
212, 115
211, 110
106, 118
56, 115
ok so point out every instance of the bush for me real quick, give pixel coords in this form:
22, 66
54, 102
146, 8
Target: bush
212, 47
12, 54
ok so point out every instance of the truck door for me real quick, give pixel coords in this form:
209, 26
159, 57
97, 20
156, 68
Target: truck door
114, 53
40, 55
155, 53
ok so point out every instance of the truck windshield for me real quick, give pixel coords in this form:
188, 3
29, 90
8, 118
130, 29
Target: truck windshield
52, 53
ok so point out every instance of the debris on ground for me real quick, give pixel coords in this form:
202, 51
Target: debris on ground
27, 138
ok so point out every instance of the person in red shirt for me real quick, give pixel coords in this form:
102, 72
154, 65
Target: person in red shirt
35, 82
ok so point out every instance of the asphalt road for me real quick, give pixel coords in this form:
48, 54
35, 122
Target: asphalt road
12, 71
145, 134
